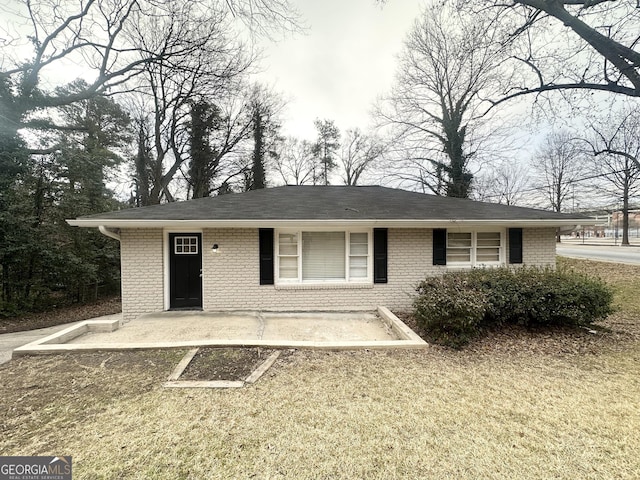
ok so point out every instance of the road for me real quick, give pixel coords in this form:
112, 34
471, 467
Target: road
603, 253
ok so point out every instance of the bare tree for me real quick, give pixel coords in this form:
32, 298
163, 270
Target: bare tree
448, 67
109, 40
559, 164
358, 153
172, 89
266, 17
505, 183
295, 163
265, 106
228, 143
615, 144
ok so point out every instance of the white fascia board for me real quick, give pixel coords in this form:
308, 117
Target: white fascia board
426, 223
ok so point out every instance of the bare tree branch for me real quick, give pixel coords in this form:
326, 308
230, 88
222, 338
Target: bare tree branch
591, 46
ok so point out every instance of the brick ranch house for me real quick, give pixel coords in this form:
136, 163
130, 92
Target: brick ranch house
313, 247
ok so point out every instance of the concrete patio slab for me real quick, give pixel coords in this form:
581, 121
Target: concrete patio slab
325, 330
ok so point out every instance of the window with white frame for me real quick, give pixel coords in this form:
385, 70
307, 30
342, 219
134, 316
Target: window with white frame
185, 245
475, 248
358, 255
323, 256
288, 255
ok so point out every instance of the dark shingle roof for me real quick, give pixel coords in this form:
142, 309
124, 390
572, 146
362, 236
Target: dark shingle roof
318, 203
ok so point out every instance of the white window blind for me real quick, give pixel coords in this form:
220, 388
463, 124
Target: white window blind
358, 255
323, 256
288, 255
458, 247
474, 248
488, 247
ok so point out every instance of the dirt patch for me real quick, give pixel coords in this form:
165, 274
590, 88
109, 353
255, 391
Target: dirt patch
224, 363
40, 392
616, 332
59, 316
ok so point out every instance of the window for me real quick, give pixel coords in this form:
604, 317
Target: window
488, 247
185, 245
474, 248
323, 256
288, 256
358, 255
459, 247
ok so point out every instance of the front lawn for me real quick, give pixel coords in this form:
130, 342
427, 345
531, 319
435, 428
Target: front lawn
513, 405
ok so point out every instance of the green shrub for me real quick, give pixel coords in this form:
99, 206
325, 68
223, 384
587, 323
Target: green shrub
568, 298
504, 296
532, 296
454, 308
449, 311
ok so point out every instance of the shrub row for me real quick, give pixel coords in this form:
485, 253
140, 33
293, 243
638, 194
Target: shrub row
456, 307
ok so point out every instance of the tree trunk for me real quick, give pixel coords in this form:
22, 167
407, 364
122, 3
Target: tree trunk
142, 174
6, 285
625, 209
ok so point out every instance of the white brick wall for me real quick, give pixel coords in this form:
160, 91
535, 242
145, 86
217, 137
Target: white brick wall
141, 259
231, 277
539, 246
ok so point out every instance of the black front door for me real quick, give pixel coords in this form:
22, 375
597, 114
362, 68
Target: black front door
185, 270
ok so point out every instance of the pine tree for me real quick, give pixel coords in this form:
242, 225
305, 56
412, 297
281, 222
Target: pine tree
325, 149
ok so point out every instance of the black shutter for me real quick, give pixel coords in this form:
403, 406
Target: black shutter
439, 246
515, 245
379, 255
266, 256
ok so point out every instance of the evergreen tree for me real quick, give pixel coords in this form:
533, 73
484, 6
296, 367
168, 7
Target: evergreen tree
258, 179
44, 260
264, 108
204, 119
326, 148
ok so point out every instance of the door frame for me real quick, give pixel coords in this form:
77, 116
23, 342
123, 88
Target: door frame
166, 261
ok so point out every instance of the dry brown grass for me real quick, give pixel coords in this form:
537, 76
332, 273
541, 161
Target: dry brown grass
358, 415
381, 415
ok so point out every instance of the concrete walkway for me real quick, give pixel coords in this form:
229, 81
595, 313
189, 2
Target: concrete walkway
10, 341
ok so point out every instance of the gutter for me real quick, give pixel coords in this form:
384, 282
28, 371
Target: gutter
256, 223
109, 233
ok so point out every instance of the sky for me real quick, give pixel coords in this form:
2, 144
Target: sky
341, 64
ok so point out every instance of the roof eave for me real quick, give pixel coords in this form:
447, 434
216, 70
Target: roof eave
393, 223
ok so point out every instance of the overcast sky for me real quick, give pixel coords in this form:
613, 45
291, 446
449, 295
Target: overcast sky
343, 62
